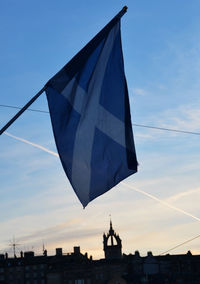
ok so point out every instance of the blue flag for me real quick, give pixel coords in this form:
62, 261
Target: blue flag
90, 115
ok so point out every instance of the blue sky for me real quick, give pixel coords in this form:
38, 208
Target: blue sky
161, 45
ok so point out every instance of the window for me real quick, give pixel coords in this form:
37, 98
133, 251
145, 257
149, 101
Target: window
42, 266
79, 281
42, 274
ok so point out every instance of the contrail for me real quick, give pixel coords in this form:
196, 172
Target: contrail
33, 144
161, 201
122, 183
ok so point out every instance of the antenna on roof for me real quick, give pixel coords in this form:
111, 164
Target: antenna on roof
43, 247
13, 245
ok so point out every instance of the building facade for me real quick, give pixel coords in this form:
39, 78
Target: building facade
114, 268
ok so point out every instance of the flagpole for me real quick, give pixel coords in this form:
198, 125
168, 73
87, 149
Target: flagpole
119, 15
22, 110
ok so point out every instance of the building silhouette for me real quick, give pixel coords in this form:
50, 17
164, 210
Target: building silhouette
112, 251
114, 268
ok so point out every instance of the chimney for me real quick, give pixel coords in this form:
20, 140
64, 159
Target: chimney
76, 250
149, 253
29, 254
58, 251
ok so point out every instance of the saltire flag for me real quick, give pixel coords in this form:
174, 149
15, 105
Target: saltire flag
90, 114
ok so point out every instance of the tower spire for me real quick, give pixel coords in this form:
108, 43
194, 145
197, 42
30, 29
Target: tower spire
112, 251
111, 224
111, 231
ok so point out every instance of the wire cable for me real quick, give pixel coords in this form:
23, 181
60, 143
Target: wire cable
30, 109
134, 124
167, 129
181, 244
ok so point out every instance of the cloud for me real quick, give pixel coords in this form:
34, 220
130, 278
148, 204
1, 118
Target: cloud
143, 136
70, 232
139, 91
58, 233
182, 194
184, 117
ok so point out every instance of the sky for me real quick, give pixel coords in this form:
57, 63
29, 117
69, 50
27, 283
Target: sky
153, 210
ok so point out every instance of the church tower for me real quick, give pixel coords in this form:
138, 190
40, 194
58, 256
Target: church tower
112, 244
